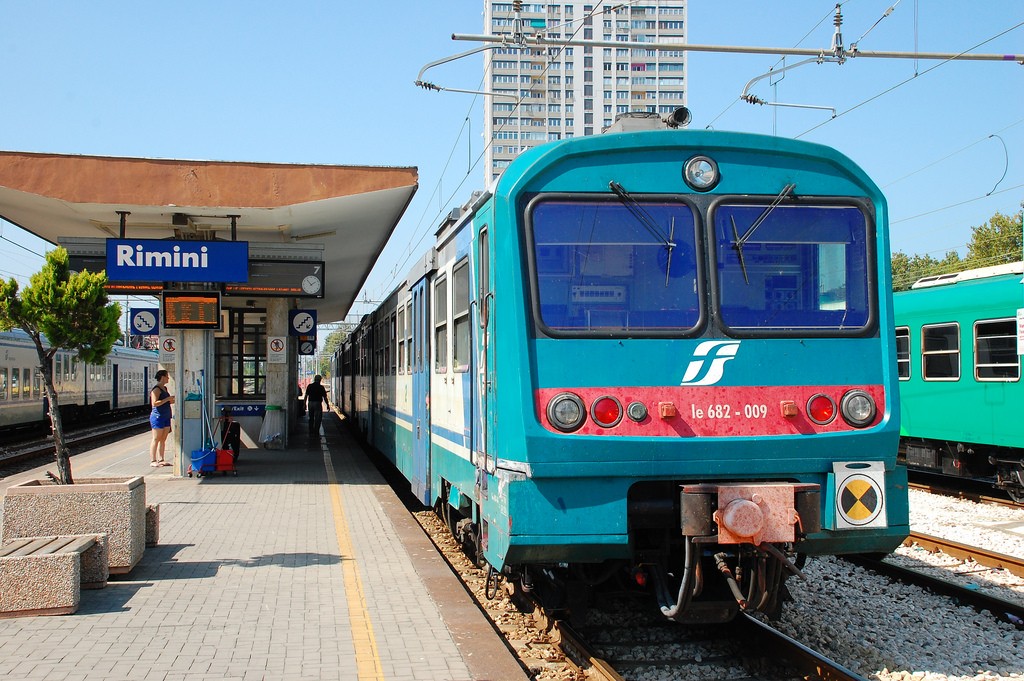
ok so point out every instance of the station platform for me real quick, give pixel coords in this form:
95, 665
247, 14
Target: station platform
304, 566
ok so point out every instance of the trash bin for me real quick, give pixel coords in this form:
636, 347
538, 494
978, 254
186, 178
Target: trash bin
272, 432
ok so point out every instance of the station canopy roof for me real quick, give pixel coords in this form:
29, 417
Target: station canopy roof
351, 210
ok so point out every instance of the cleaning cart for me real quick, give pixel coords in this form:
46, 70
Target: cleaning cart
208, 458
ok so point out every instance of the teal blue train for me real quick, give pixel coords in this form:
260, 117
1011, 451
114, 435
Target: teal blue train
658, 359
958, 340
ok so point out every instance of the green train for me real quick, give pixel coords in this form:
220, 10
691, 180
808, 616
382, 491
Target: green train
962, 402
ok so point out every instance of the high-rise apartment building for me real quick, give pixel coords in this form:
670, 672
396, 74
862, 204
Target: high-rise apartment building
553, 92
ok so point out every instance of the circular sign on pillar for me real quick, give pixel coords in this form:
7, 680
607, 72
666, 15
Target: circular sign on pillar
276, 349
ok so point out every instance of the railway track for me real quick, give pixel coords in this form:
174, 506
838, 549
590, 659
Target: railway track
969, 593
22, 455
745, 650
630, 640
1012, 564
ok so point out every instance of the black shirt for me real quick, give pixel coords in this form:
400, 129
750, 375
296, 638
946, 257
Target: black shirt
315, 394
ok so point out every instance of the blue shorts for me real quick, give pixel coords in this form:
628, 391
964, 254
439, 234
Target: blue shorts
158, 420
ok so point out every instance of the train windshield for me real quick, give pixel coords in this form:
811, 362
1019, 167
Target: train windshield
799, 268
615, 268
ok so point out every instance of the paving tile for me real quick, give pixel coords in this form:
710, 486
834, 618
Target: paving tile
249, 582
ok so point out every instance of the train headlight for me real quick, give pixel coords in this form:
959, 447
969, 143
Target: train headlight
821, 409
606, 411
701, 173
637, 411
566, 412
858, 408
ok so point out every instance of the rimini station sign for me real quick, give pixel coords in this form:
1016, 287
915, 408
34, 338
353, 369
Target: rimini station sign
168, 260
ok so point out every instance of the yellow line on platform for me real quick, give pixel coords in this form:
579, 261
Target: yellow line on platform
368, 664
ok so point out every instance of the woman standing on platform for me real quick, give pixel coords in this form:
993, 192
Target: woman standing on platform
160, 418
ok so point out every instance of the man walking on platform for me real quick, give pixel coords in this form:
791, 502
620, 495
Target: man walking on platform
315, 399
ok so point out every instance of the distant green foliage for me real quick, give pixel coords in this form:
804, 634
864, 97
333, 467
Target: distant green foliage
333, 342
997, 242
72, 312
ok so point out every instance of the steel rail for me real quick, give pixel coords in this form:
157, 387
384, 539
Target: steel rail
580, 656
990, 559
813, 664
1000, 609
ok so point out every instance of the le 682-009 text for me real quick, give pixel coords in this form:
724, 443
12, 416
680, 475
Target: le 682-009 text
726, 411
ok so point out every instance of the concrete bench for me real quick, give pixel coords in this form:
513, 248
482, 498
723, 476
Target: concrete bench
45, 575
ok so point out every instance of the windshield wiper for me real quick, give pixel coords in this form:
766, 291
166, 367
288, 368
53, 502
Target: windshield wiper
738, 240
645, 219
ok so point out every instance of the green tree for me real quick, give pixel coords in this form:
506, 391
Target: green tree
331, 343
906, 269
996, 242
61, 310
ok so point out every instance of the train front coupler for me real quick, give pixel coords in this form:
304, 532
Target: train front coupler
745, 532
1009, 476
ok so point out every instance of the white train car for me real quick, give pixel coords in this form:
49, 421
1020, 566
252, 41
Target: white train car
119, 385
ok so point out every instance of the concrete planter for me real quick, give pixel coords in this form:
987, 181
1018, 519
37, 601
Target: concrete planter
112, 506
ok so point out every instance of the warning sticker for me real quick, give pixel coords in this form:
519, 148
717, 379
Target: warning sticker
860, 494
860, 500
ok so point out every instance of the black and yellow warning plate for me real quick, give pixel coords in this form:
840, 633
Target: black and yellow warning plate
860, 494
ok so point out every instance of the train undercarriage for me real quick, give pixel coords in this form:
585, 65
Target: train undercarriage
1002, 467
700, 553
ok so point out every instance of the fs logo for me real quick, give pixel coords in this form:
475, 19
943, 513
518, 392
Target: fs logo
708, 363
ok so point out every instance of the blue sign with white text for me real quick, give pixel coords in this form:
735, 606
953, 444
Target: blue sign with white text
165, 260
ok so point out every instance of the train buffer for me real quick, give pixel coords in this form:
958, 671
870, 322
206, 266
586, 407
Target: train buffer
45, 575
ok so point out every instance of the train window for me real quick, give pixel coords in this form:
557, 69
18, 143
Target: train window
995, 350
74, 368
605, 267
408, 338
15, 383
903, 352
484, 284
401, 339
393, 346
37, 383
441, 326
940, 352
460, 317
794, 268
3, 383
419, 331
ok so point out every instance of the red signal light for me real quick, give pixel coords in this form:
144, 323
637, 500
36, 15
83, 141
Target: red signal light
606, 411
821, 408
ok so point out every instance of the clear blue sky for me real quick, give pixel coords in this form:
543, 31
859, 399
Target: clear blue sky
288, 83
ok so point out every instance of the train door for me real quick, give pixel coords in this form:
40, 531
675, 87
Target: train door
484, 384
420, 478
115, 386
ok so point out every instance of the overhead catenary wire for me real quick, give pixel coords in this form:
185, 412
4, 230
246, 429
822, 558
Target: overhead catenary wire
955, 205
960, 55
952, 154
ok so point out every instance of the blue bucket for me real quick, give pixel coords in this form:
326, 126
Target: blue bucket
204, 460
